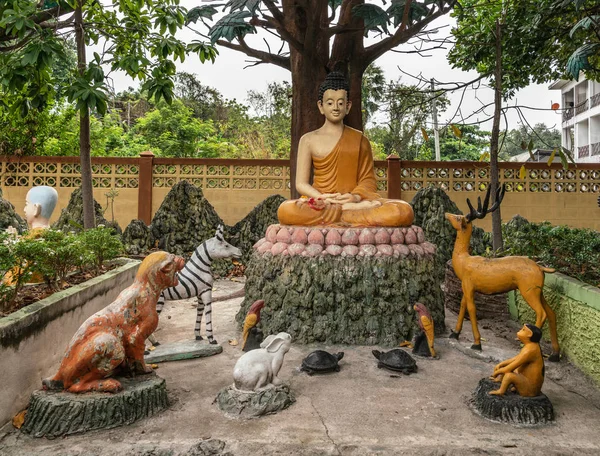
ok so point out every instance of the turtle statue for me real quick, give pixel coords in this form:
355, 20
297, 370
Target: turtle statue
320, 361
396, 360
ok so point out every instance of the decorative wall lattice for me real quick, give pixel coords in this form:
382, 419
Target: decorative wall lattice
474, 177
273, 175
104, 175
224, 176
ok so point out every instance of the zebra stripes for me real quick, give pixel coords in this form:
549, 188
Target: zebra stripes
196, 280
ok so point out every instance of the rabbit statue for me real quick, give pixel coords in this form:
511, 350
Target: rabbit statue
258, 369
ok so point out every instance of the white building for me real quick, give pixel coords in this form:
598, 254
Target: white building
581, 118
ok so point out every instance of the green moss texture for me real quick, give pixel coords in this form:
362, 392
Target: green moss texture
358, 300
578, 322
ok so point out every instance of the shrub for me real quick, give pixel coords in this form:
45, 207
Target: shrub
572, 251
53, 255
103, 244
60, 254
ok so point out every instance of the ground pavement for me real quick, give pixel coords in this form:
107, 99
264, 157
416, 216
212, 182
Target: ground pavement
361, 410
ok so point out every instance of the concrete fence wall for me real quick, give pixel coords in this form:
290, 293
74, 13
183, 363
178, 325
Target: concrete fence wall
235, 187
33, 340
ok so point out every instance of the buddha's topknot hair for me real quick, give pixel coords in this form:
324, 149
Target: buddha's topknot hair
334, 81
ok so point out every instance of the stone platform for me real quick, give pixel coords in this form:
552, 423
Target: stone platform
344, 285
345, 242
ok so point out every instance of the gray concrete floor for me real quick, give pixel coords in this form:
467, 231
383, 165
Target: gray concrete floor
361, 410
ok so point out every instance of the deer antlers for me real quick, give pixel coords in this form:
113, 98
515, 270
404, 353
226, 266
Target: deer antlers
482, 211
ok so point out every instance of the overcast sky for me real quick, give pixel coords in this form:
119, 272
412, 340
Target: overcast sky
230, 78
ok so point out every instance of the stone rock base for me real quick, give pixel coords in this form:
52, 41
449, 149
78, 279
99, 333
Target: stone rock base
366, 300
54, 414
511, 408
251, 404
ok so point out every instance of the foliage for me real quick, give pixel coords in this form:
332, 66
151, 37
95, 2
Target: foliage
103, 245
407, 109
541, 136
536, 43
59, 254
174, 132
373, 89
52, 256
137, 37
471, 144
572, 251
18, 260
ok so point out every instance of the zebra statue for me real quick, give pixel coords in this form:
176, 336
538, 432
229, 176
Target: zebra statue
195, 279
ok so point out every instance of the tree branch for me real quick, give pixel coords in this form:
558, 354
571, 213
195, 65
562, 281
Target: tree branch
278, 22
283, 62
403, 34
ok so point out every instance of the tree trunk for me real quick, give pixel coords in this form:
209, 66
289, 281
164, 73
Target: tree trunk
347, 57
497, 243
84, 129
308, 71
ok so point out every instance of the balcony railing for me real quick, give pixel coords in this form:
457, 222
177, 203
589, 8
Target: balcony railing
567, 114
582, 107
584, 151
596, 148
595, 100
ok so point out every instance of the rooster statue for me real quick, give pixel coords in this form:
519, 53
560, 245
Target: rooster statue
252, 337
425, 323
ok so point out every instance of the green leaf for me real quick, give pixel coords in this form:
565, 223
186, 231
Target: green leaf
196, 13
579, 60
231, 26
250, 5
563, 159
374, 17
584, 23
523, 145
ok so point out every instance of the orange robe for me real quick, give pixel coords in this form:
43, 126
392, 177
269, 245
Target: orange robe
348, 168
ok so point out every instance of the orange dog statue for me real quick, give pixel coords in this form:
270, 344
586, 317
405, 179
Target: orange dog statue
496, 275
112, 340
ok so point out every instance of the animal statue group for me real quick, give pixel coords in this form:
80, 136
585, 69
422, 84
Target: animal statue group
196, 280
112, 340
496, 275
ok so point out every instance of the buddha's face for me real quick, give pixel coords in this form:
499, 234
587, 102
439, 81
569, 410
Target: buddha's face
335, 105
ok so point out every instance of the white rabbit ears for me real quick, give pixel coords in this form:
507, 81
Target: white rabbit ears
219, 233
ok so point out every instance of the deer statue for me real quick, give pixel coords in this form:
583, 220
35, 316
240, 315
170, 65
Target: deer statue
496, 275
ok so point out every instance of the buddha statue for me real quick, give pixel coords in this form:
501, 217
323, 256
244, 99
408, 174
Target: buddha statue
344, 188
